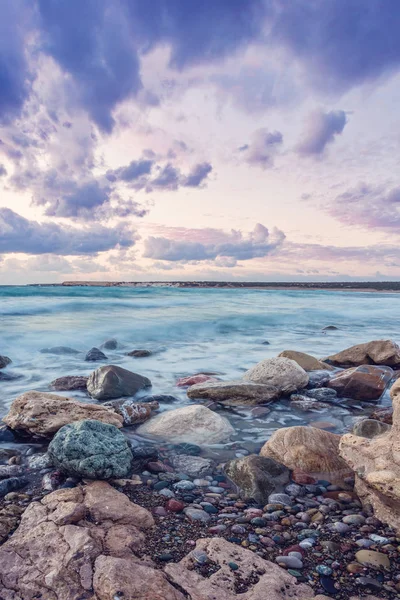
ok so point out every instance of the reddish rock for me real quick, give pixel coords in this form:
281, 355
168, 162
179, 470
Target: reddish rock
303, 478
70, 383
158, 467
383, 415
362, 383
295, 548
193, 379
175, 505
160, 511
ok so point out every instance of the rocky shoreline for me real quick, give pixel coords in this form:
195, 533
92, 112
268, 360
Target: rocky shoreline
87, 512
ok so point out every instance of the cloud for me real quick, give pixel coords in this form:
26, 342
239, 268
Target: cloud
18, 234
3, 170
133, 171
262, 148
321, 130
212, 244
75, 200
197, 175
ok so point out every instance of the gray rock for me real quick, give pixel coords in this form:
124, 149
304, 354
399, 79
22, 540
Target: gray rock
4, 361
194, 466
59, 350
233, 392
111, 381
369, 428
184, 485
322, 394
195, 514
305, 403
257, 477
318, 379
280, 499
11, 485
70, 383
9, 471
91, 449
39, 461
281, 373
95, 354
139, 353
290, 562
110, 344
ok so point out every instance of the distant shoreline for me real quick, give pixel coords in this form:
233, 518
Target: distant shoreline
351, 286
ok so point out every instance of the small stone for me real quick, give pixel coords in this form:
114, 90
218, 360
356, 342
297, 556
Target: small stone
184, 485
139, 353
328, 584
166, 557
195, 514
369, 582
175, 505
323, 570
167, 493
373, 559
354, 520
199, 556
284, 499
379, 539
290, 562
233, 566
354, 568
340, 527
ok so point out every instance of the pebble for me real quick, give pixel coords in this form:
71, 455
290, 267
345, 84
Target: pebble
340, 527
379, 539
167, 493
290, 562
194, 514
284, 499
233, 566
184, 485
307, 543
175, 505
201, 482
328, 584
216, 490
364, 543
369, 582
354, 520
323, 570
372, 558
199, 556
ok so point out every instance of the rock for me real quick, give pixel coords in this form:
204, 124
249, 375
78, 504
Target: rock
305, 403
261, 579
257, 477
330, 328
110, 344
373, 559
306, 361
194, 466
70, 383
383, 415
95, 354
361, 383
378, 352
233, 392
281, 373
322, 394
9, 471
53, 553
376, 463
59, 350
132, 412
9, 376
110, 382
311, 450
318, 378
194, 379
139, 353
12, 484
160, 398
91, 449
196, 514
193, 424
41, 414
370, 428
4, 361
9, 519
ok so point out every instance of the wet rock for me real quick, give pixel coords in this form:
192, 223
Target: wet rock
59, 350
289, 562
132, 412
9, 376
4, 361
91, 449
377, 352
9, 471
11, 485
139, 353
305, 403
330, 328
193, 424
318, 378
383, 415
194, 466
70, 383
311, 450
194, 379
361, 383
111, 381
95, 354
233, 392
6, 434
110, 344
41, 414
189, 449
281, 373
322, 394
370, 428
306, 361
257, 477
160, 398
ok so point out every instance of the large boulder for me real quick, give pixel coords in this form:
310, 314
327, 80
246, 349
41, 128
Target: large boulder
306, 361
281, 373
257, 477
365, 383
81, 543
376, 463
70, 383
41, 414
194, 424
263, 579
377, 352
91, 449
111, 381
4, 361
308, 449
234, 392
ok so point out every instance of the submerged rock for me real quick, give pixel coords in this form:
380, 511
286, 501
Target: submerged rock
59, 350
110, 344
195, 379
257, 477
384, 415
233, 392
369, 428
306, 361
4, 361
305, 403
41, 414
91, 449
194, 466
194, 424
281, 373
111, 381
95, 354
139, 353
377, 352
132, 412
361, 383
11, 485
70, 383
311, 450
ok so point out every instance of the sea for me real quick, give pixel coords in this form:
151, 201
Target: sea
224, 331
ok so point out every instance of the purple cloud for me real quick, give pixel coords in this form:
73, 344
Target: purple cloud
321, 130
197, 175
3, 170
262, 148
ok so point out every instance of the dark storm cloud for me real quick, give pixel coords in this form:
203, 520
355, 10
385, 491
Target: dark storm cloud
321, 130
18, 234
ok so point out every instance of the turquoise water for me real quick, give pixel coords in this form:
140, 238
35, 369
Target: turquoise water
189, 330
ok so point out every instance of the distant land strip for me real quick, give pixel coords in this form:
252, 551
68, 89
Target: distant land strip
366, 286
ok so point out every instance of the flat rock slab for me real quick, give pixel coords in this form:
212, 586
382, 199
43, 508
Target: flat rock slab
306, 361
234, 392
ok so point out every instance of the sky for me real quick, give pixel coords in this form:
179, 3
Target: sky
252, 140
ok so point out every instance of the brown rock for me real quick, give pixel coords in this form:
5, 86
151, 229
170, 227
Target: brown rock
70, 383
383, 415
263, 579
234, 392
53, 554
257, 477
370, 428
132, 412
9, 519
310, 450
306, 361
378, 352
139, 353
372, 558
361, 383
194, 379
41, 414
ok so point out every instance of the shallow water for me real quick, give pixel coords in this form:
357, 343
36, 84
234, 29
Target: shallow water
189, 330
